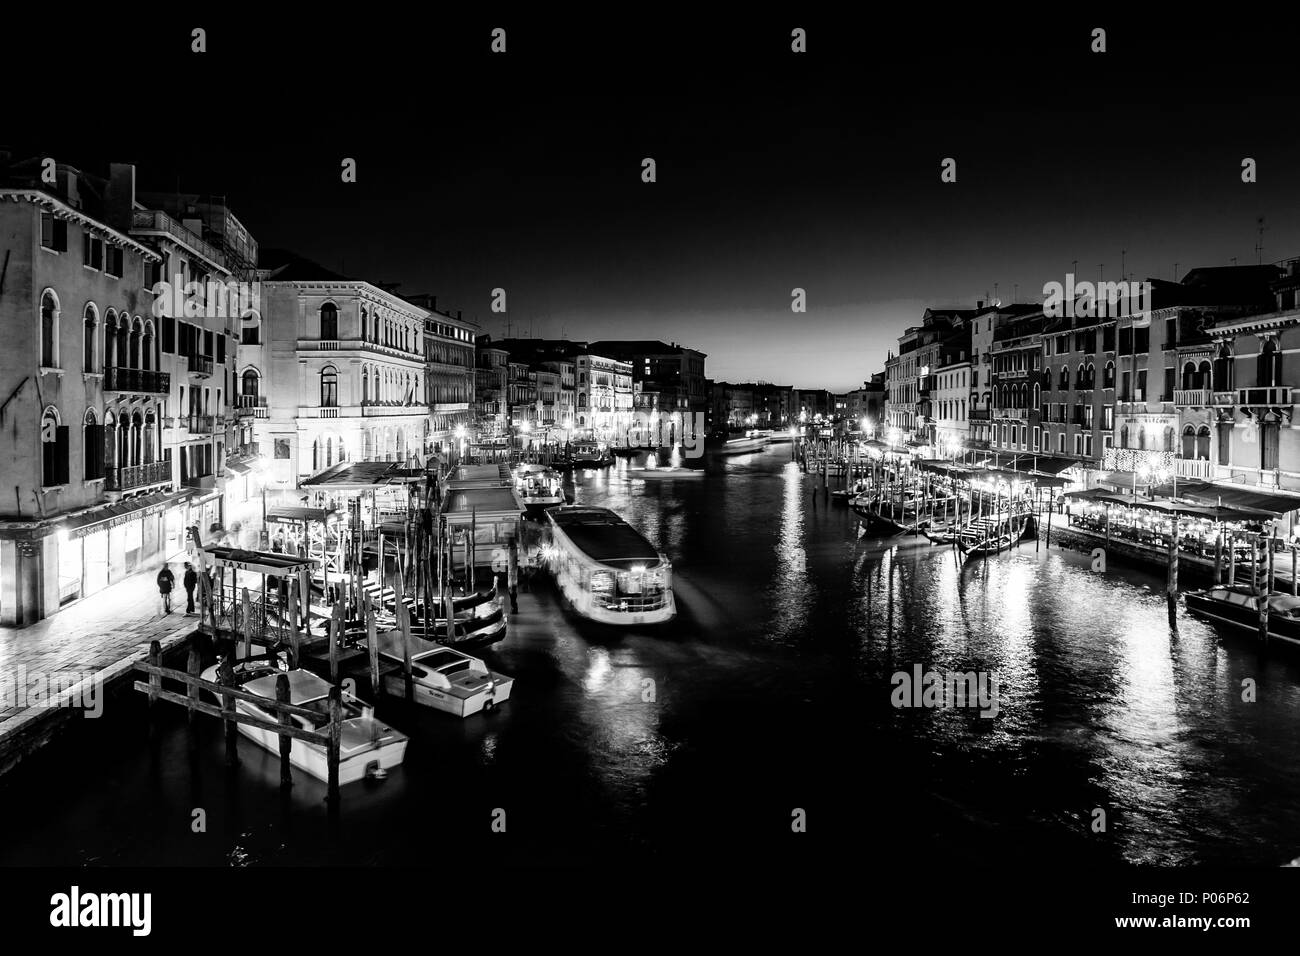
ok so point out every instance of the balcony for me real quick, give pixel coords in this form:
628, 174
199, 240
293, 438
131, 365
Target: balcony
146, 381
201, 424
201, 481
980, 415
250, 406
1194, 468
1193, 397
201, 365
156, 222
138, 476
1276, 395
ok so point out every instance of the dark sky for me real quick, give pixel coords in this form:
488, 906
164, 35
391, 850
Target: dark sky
819, 171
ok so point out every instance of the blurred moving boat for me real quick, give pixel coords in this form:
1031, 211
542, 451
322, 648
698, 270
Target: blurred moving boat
606, 569
538, 485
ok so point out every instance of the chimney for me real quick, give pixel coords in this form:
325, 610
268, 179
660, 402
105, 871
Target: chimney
120, 200
979, 304
458, 313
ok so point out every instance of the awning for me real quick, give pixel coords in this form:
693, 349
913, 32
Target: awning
1044, 464
120, 511
1273, 504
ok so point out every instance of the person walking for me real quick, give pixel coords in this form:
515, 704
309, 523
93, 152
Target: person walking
166, 581
191, 581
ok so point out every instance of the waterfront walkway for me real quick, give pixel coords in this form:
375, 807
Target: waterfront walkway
97, 638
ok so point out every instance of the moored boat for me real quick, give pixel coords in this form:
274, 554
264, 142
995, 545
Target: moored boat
442, 677
1238, 607
992, 533
367, 746
606, 569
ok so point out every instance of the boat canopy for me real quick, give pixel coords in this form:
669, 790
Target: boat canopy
602, 535
304, 686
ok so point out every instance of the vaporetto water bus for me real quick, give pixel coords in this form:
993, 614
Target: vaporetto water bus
606, 569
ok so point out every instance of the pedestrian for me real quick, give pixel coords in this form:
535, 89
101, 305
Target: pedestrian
191, 581
166, 581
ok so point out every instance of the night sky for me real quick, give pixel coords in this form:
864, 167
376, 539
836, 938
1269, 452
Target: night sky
775, 170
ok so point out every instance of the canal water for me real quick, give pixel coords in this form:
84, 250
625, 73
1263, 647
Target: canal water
1117, 738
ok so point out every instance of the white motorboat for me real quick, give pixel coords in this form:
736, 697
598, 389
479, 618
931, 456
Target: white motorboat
539, 485
443, 677
367, 746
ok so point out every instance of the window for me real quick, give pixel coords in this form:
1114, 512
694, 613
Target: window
1225, 443
113, 262
54, 450
329, 321
250, 332
54, 233
92, 446
249, 383
329, 387
88, 339
169, 335
49, 330
92, 248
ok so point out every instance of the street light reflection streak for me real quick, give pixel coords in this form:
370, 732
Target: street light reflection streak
790, 589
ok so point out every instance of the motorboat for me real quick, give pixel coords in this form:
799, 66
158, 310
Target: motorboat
367, 746
442, 677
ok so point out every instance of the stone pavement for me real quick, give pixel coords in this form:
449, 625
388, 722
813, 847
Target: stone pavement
98, 638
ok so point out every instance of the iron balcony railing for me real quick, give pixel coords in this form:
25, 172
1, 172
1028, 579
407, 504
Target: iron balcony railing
129, 477
119, 379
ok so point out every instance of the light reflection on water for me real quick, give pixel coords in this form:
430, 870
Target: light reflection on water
772, 690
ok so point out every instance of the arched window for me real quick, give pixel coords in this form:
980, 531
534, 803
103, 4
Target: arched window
1092, 375
92, 447
1223, 376
329, 387
249, 384
365, 384
1189, 442
250, 330
1269, 370
329, 452
49, 330
1203, 443
1109, 375
110, 437
54, 449
110, 338
1169, 438
1189, 375
365, 337
329, 321
315, 455
89, 331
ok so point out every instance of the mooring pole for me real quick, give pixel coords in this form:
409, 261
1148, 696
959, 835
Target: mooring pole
1171, 582
286, 742
336, 731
